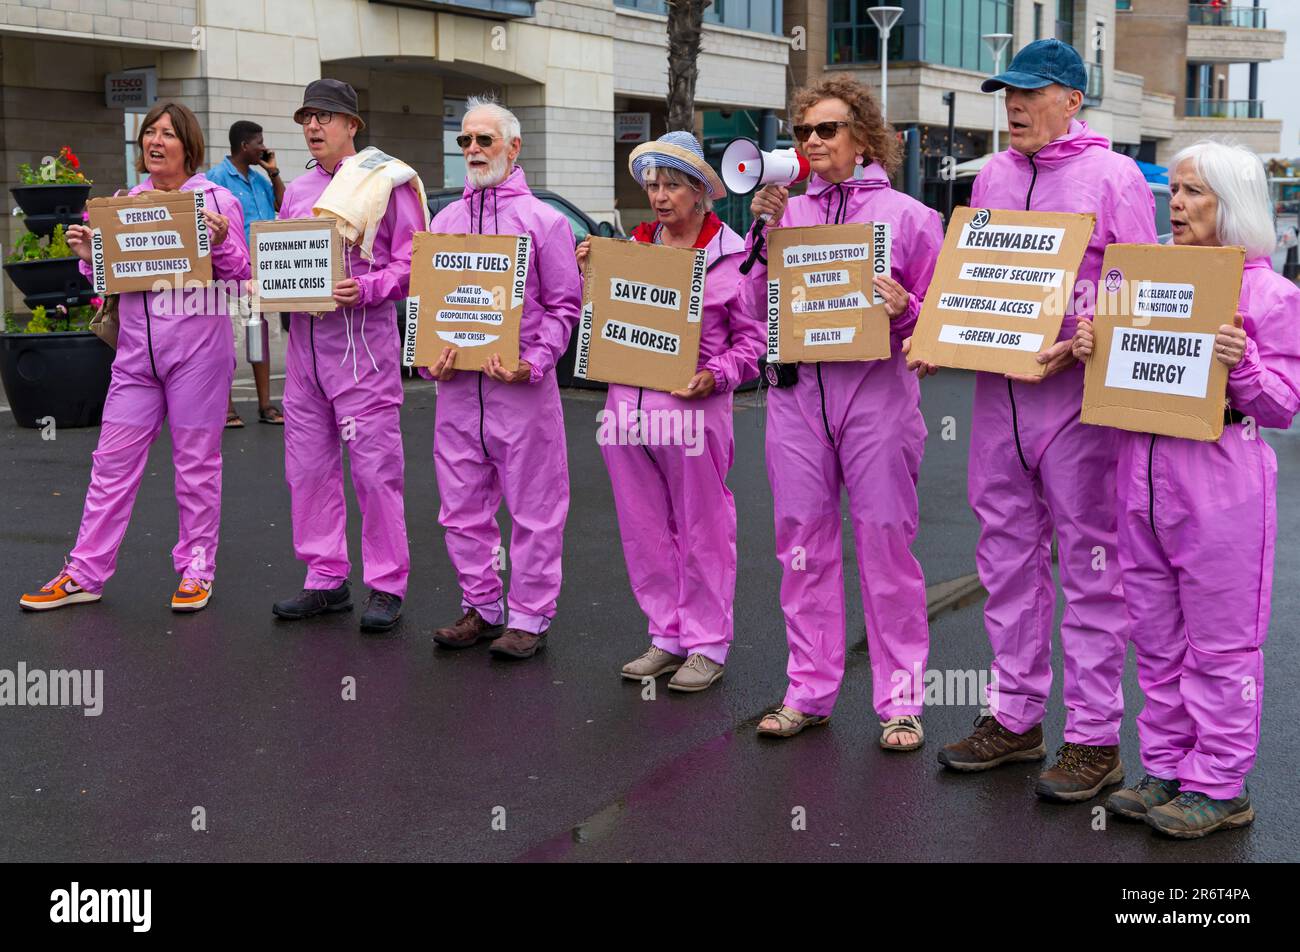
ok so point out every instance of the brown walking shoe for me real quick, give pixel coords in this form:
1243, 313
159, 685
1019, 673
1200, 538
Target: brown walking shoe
469, 630
518, 644
991, 744
1080, 771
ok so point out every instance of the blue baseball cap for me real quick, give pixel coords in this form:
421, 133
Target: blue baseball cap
1040, 64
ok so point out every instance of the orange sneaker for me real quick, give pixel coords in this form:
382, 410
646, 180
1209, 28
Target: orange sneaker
59, 591
192, 595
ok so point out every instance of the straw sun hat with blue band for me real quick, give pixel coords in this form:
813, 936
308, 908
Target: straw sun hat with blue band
680, 151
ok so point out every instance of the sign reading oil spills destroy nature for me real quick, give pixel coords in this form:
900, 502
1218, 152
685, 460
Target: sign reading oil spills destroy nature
151, 241
1001, 287
1152, 368
821, 304
641, 311
467, 293
296, 263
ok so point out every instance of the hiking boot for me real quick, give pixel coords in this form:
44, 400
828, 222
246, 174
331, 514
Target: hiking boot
192, 595
991, 745
653, 663
1191, 815
695, 675
383, 611
56, 593
518, 644
313, 601
1136, 801
469, 630
1080, 771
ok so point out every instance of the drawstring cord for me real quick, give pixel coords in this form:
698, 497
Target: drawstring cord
348, 317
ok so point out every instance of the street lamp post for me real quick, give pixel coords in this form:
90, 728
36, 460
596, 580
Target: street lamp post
997, 43
884, 18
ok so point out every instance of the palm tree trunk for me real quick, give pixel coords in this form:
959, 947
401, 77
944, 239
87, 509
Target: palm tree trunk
685, 20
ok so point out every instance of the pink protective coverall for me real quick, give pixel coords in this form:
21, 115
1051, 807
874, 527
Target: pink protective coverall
343, 386
175, 358
676, 515
1035, 468
493, 439
1196, 535
858, 426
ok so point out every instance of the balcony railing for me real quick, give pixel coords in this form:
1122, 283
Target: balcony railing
1225, 109
1206, 14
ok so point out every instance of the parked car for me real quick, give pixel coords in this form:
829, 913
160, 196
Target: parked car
1164, 231
581, 223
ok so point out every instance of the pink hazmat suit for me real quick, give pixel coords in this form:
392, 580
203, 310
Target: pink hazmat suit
855, 426
1035, 469
495, 439
175, 359
343, 387
676, 516
1198, 522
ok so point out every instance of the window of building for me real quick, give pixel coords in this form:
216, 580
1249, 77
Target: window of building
1123, 5
953, 31
1038, 21
453, 159
1065, 21
854, 37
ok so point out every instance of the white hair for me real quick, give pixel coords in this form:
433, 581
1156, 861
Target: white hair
507, 121
1237, 178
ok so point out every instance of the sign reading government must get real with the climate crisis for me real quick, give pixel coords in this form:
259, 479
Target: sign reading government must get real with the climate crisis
1001, 287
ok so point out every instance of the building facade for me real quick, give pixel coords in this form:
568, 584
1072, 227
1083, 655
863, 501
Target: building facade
1157, 69
570, 69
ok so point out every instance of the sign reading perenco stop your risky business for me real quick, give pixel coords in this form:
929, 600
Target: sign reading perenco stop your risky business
149, 241
1001, 287
641, 312
467, 292
1152, 368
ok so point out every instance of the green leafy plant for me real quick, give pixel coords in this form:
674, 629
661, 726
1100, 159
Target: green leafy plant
46, 321
30, 247
63, 169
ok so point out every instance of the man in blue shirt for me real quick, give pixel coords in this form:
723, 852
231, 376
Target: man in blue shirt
260, 196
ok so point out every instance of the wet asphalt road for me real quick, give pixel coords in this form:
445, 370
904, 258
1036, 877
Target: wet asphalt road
239, 714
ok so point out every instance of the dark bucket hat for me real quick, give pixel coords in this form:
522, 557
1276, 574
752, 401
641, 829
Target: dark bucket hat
1040, 64
330, 95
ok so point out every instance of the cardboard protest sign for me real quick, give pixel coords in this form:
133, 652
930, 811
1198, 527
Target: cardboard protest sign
467, 292
1152, 368
641, 311
140, 240
1001, 287
296, 263
821, 305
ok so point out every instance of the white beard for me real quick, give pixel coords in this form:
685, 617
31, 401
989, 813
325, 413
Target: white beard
494, 173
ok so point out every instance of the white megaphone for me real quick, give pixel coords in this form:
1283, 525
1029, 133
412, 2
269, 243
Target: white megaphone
746, 167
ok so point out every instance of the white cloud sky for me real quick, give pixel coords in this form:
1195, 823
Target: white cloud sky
1278, 80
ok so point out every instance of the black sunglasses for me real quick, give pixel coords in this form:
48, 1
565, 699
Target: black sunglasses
825, 130
484, 141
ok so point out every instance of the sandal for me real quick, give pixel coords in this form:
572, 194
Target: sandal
270, 414
233, 420
903, 724
791, 721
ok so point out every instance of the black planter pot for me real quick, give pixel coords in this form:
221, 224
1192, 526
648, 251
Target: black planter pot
50, 282
63, 375
48, 205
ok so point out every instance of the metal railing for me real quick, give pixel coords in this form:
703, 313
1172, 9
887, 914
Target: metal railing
1207, 14
1224, 109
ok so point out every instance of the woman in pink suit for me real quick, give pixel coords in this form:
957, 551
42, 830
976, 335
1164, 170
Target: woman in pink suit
175, 359
1198, 523
675, 512
852, 426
